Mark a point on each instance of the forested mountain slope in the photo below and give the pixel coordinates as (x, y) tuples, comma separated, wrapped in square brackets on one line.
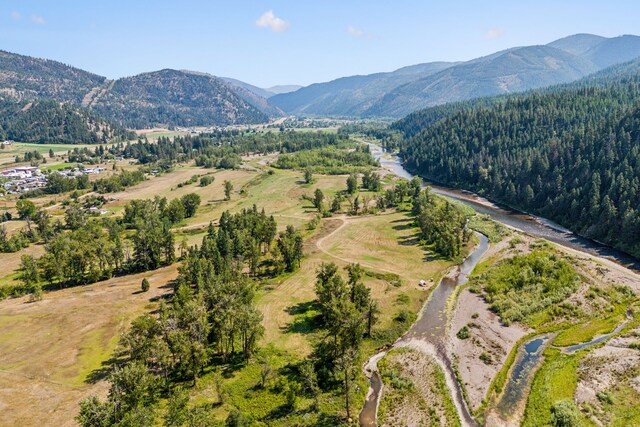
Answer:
[(26, 78), (168, 97), (571, 155), (174, 97), (51, 122)]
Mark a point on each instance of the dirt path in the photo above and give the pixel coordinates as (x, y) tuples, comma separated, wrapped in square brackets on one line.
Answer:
[(345, 222)]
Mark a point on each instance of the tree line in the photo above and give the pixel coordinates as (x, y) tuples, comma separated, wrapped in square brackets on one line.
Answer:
[(570, 155), (83, 250), (210, 321), (49, 122)]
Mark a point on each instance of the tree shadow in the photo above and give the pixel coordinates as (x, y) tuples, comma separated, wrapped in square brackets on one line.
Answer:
[(102, 373), (279, 412), (410, 240), (307, 319), (403, 224), (328, 420)]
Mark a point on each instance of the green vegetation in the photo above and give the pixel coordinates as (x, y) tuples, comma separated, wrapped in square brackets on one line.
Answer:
[(494, 231), (463, 333), (206, 180), (517, 152), (521, 287), (332, 161), (49, 122), (442, 224), (550, 401)]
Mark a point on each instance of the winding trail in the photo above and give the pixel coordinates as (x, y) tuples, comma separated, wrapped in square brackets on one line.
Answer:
[(346, 221)]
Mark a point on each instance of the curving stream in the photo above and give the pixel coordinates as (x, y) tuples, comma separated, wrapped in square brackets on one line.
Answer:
[(430, 328)]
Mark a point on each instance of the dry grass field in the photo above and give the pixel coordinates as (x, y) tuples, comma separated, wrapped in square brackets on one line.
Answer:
[(52, 351)]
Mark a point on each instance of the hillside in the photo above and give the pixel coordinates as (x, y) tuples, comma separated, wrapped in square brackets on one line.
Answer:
[(278, 89), (351, 96), (411, 88), (514, 70), (26, 78), (418, 120), (255, 96), (53, 123), (174, 97), (166, 97), (577, 44), (569, 155)]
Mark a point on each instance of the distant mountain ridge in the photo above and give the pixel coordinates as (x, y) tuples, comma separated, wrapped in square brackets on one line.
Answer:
[(191, 98), (165, 97), (513, 70)]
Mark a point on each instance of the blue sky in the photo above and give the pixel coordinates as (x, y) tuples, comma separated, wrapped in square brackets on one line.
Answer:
[(284, 41)]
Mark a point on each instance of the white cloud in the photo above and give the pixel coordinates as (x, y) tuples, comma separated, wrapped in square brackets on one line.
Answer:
[(272, 22), (494, 33), (38, 20), (16, 16), (355, 32)]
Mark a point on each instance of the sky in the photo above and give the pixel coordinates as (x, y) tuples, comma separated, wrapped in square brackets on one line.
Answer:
[(272, 42)]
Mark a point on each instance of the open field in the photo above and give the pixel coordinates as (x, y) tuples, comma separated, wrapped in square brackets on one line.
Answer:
[(54, 351), (57, 347)]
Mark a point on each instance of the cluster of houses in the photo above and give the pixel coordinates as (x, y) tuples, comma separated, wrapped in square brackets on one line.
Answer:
[(23, 179), (27, 178)]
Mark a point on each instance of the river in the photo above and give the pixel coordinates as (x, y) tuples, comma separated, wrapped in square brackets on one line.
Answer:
[(529, 224), (431, 326)]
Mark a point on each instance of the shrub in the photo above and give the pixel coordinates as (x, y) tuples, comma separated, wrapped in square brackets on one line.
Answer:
[(463, 333), (486, 358), (635, 345), (145, 285), (564, 413), (206, 180), (405, 316)]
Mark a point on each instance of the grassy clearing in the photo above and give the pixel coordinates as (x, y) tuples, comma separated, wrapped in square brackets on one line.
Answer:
[(54, 350), (584, 332), (494, 231), (555, 380)]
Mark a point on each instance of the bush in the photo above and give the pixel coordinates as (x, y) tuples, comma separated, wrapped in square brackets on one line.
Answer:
[(564, 413), (486, 358), (206, 180), (635, 345), (463, 333), (145, 285), (405, 316)]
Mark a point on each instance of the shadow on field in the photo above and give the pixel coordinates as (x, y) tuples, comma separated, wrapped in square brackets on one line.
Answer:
[(102, 373), (307, 318)]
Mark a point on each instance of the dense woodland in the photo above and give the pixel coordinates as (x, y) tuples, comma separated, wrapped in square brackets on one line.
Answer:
[(222, 149), (49, 122), (569, 155), (329, 160)]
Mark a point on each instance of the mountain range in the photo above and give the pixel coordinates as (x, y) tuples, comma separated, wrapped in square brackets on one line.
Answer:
[(190, 98), (165, 97), (518, 69)]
